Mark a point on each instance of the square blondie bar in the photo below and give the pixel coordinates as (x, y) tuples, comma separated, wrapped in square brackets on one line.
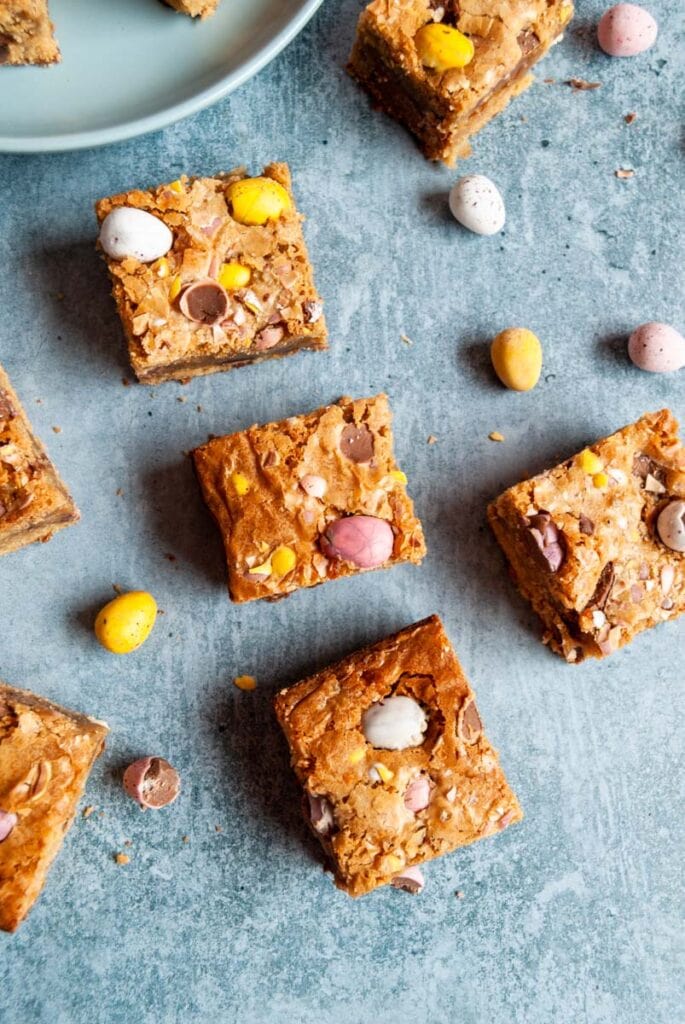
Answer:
[(46, 754), (389, 747), (26, 33), (597, 544), (444, 105), (34, 503), (208, 276), (309, 499)]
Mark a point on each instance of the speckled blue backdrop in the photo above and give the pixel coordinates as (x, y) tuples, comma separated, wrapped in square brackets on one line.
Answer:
[(575, 915)]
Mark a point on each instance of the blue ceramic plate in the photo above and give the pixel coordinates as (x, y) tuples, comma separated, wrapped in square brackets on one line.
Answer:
[(132, 66)]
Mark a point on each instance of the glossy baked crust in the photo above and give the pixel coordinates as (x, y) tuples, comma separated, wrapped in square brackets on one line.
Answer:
[(275, 511), (26, 33), (164, 344), (46, 754), (34, 503), (443, 109), (616, 577), (374, 835)]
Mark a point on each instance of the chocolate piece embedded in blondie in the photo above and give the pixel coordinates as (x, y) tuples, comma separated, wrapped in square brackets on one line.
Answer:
[(46, 754), (443, 104), (34, 503), (597, 544), (390, 750), (309, 499), (26, 33), (210, 273), (195, 8)]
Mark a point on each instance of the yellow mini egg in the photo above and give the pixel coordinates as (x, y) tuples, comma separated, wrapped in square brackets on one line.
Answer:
[(517, 358), (126, 622)]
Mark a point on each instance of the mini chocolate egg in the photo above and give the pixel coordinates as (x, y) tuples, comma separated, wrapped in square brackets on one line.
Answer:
[(657, 348), (626, 30), (477, 204)]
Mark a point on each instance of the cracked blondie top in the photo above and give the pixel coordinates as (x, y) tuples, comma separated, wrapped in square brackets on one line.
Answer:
[(222, 291), (389, 747), (597, 544), (309, 499), (444, 105), (46, 754), (34, 503), (26, 33)]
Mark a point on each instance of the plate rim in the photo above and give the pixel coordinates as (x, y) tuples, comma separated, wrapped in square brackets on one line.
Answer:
[(93, 138)]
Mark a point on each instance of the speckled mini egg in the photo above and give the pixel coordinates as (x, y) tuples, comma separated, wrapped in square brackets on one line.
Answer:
[(626, 30), (477, 204), (657, 348)]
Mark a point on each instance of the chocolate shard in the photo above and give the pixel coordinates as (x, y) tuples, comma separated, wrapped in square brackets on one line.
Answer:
[(644, 466), (357, 443), (604, 586), (546, 541), (470, 727), (528, 41), (585, 525)]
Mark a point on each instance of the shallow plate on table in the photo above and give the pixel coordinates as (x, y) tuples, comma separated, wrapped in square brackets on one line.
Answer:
[(133, 66)]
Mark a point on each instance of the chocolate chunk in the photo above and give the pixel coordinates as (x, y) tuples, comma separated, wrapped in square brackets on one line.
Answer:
[(546, 541), (204, 302), (644, 466), (356, 443), (470, 726), (585, 525), (527, 40), (6, 408), (604, 586)]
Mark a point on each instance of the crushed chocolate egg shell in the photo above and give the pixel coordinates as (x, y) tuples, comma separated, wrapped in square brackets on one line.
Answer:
[(417, 794), (320, 814), (152, 782), (356, 443), (313, 485), (7, 823), (671, 525), (547, 541), (470, 726), (366, 541), (395, 723), (410, 880), (204, 302)]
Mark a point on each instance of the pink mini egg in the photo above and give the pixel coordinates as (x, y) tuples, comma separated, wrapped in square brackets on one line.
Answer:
[(626, 30), (366, 541), (657, 348)]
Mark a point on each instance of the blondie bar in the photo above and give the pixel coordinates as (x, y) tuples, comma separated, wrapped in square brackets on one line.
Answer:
[(444, 69), (597, 544), (46, 754), (34, 503), (26, 33), (389, 747), (310, 499), (210, 273)]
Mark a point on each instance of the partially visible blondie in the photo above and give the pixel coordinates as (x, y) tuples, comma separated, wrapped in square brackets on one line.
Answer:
[(210, 273), (195, 8), (391, 753), (445, 103), (46, 754), (34, 503), (26, 33), (597, 544)]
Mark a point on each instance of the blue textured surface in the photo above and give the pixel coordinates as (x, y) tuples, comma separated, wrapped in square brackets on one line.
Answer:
[(574, 916)]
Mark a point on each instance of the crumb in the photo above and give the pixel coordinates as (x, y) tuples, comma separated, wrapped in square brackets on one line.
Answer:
[(101, 814), (125, 382), (87, 811), (432, 439), (57, 430), (459, 894), (39, 401), (580, 85), (495, 435), (245, 682), (119, 492), (624, 172), (122, 858), (218, 828), (407, 340), (523, 119), (549, 81), (128, 842), (185, 839), (200, 409), (182, 398), (169, 557), (629, 118), (160, 611), (117, 588)]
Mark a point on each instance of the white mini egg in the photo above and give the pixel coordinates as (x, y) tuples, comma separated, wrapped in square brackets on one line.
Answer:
[(395, 723), (477, 204), (127, 232), (657, 348)]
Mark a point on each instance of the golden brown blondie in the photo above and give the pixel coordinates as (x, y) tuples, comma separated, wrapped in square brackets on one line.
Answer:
[(195, 8), (46, 754), (444, 105), (389, 747), (597, 544), (26, 33)]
